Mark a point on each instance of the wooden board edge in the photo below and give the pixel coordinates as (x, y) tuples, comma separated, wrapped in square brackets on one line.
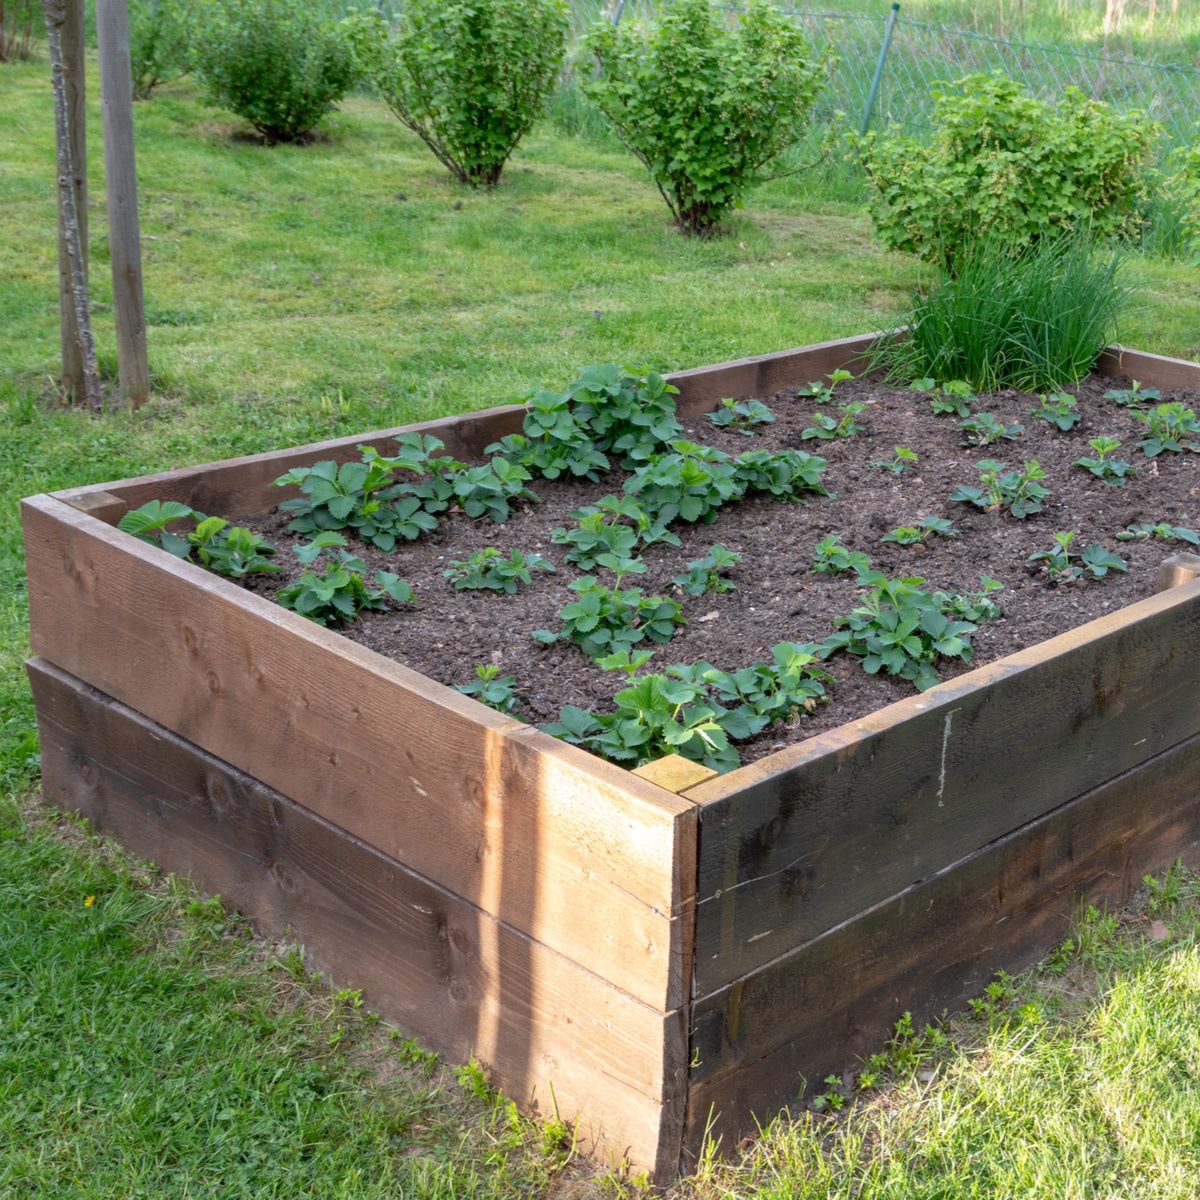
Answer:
[(942, 697), (270, 858), (1153, 370), (1025, 889)]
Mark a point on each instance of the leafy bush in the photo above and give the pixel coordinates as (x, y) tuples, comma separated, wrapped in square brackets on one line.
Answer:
[(160, 33), (1034, 319), (469, 79), (275, 63), (705, 107), (17, 18), (1004, 163)]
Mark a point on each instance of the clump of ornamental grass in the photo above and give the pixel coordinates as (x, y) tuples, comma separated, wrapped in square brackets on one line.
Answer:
[(1033, 318)]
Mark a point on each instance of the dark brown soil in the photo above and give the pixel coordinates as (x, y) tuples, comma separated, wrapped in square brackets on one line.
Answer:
[(778, 598)]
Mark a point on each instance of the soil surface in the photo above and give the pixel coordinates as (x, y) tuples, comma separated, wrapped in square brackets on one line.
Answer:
[(778, 597)]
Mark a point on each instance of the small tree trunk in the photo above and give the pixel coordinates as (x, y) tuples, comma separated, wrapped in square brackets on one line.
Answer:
[(120, 179), (81, 377)]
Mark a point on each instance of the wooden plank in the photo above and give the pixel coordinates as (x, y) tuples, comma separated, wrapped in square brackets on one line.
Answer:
[(674, 772), (702, 388), (447, 972), (1153, 370), (1178, 569), (796, 843), (240, 487), (823, 1008), (578, 854)]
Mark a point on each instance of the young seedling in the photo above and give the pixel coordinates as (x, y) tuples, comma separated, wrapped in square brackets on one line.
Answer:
[(1114, 471), (829, 557), (910, 535), (983, 429), (951, 399), (1095, 561), (593, 536), (341, 593), (828, 427), (230, 550), (488, 568), (704, 574), (631, 662), (621, 565), (741, 414), (820, 392), (1058, 409), (1170, 533), (490, 688), (1167, 428), (903, 459), (1135, 396), (1019, 492), (784, 474)]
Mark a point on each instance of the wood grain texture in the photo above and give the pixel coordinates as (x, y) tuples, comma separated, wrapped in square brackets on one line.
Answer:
[(447, 972), (593, 862), (702, 388), (1152, 370), (821, 1009), (798, 842)]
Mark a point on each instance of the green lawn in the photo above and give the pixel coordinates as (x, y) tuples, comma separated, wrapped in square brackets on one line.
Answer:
[(147, 1046)]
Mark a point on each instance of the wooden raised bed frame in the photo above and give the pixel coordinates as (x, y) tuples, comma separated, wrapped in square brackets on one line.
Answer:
[(666, 963)]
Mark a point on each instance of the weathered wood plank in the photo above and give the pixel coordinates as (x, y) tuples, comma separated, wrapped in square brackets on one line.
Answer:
[(462, 981), (593, 862), (1153, 370), (824, 1007), (239, 487), (702, 388), (796, 843)]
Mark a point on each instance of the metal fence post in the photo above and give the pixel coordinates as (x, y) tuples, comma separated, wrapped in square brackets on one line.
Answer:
[(883, 52)]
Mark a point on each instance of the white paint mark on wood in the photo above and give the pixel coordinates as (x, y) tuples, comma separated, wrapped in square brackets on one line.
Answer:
[(945, 743)]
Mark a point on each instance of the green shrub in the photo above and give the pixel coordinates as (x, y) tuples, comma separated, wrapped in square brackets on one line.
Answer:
[(1005, 164), (273, 62), (17, 21), (469, 79), (159, 42), (705, 107), (1181, 198), (1034, 318)]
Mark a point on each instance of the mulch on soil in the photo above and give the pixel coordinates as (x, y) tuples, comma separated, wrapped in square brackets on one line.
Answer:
[(778, 598)]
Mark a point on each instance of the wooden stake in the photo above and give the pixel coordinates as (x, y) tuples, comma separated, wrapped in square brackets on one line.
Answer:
[(64, 29), (120, 176)]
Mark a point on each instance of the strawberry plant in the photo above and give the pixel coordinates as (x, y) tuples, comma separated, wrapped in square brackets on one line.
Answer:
[(1135, 396), (629, 661), (901, 629), (604, 620), (1170, 533), (692, 483), (983, 429), (1058, 409), (227, 550), (592, 536), (704, 574), (951, 399), (828, 427), (491, 688), (490, 490), (830, 557), (1114, 471), (629, 412), (782, 473), (1167, 428), (1095, 561), (790, 684), (902, 460), (487, 568), (741, 414), (910, 535), (340, 593), (1019, 492), (972, 606), (820, 392)]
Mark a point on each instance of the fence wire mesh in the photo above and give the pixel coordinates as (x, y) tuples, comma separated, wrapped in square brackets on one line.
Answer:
[(924, 56)]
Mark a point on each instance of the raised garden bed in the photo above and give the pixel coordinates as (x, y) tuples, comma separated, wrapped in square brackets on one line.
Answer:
[(667, 963)]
